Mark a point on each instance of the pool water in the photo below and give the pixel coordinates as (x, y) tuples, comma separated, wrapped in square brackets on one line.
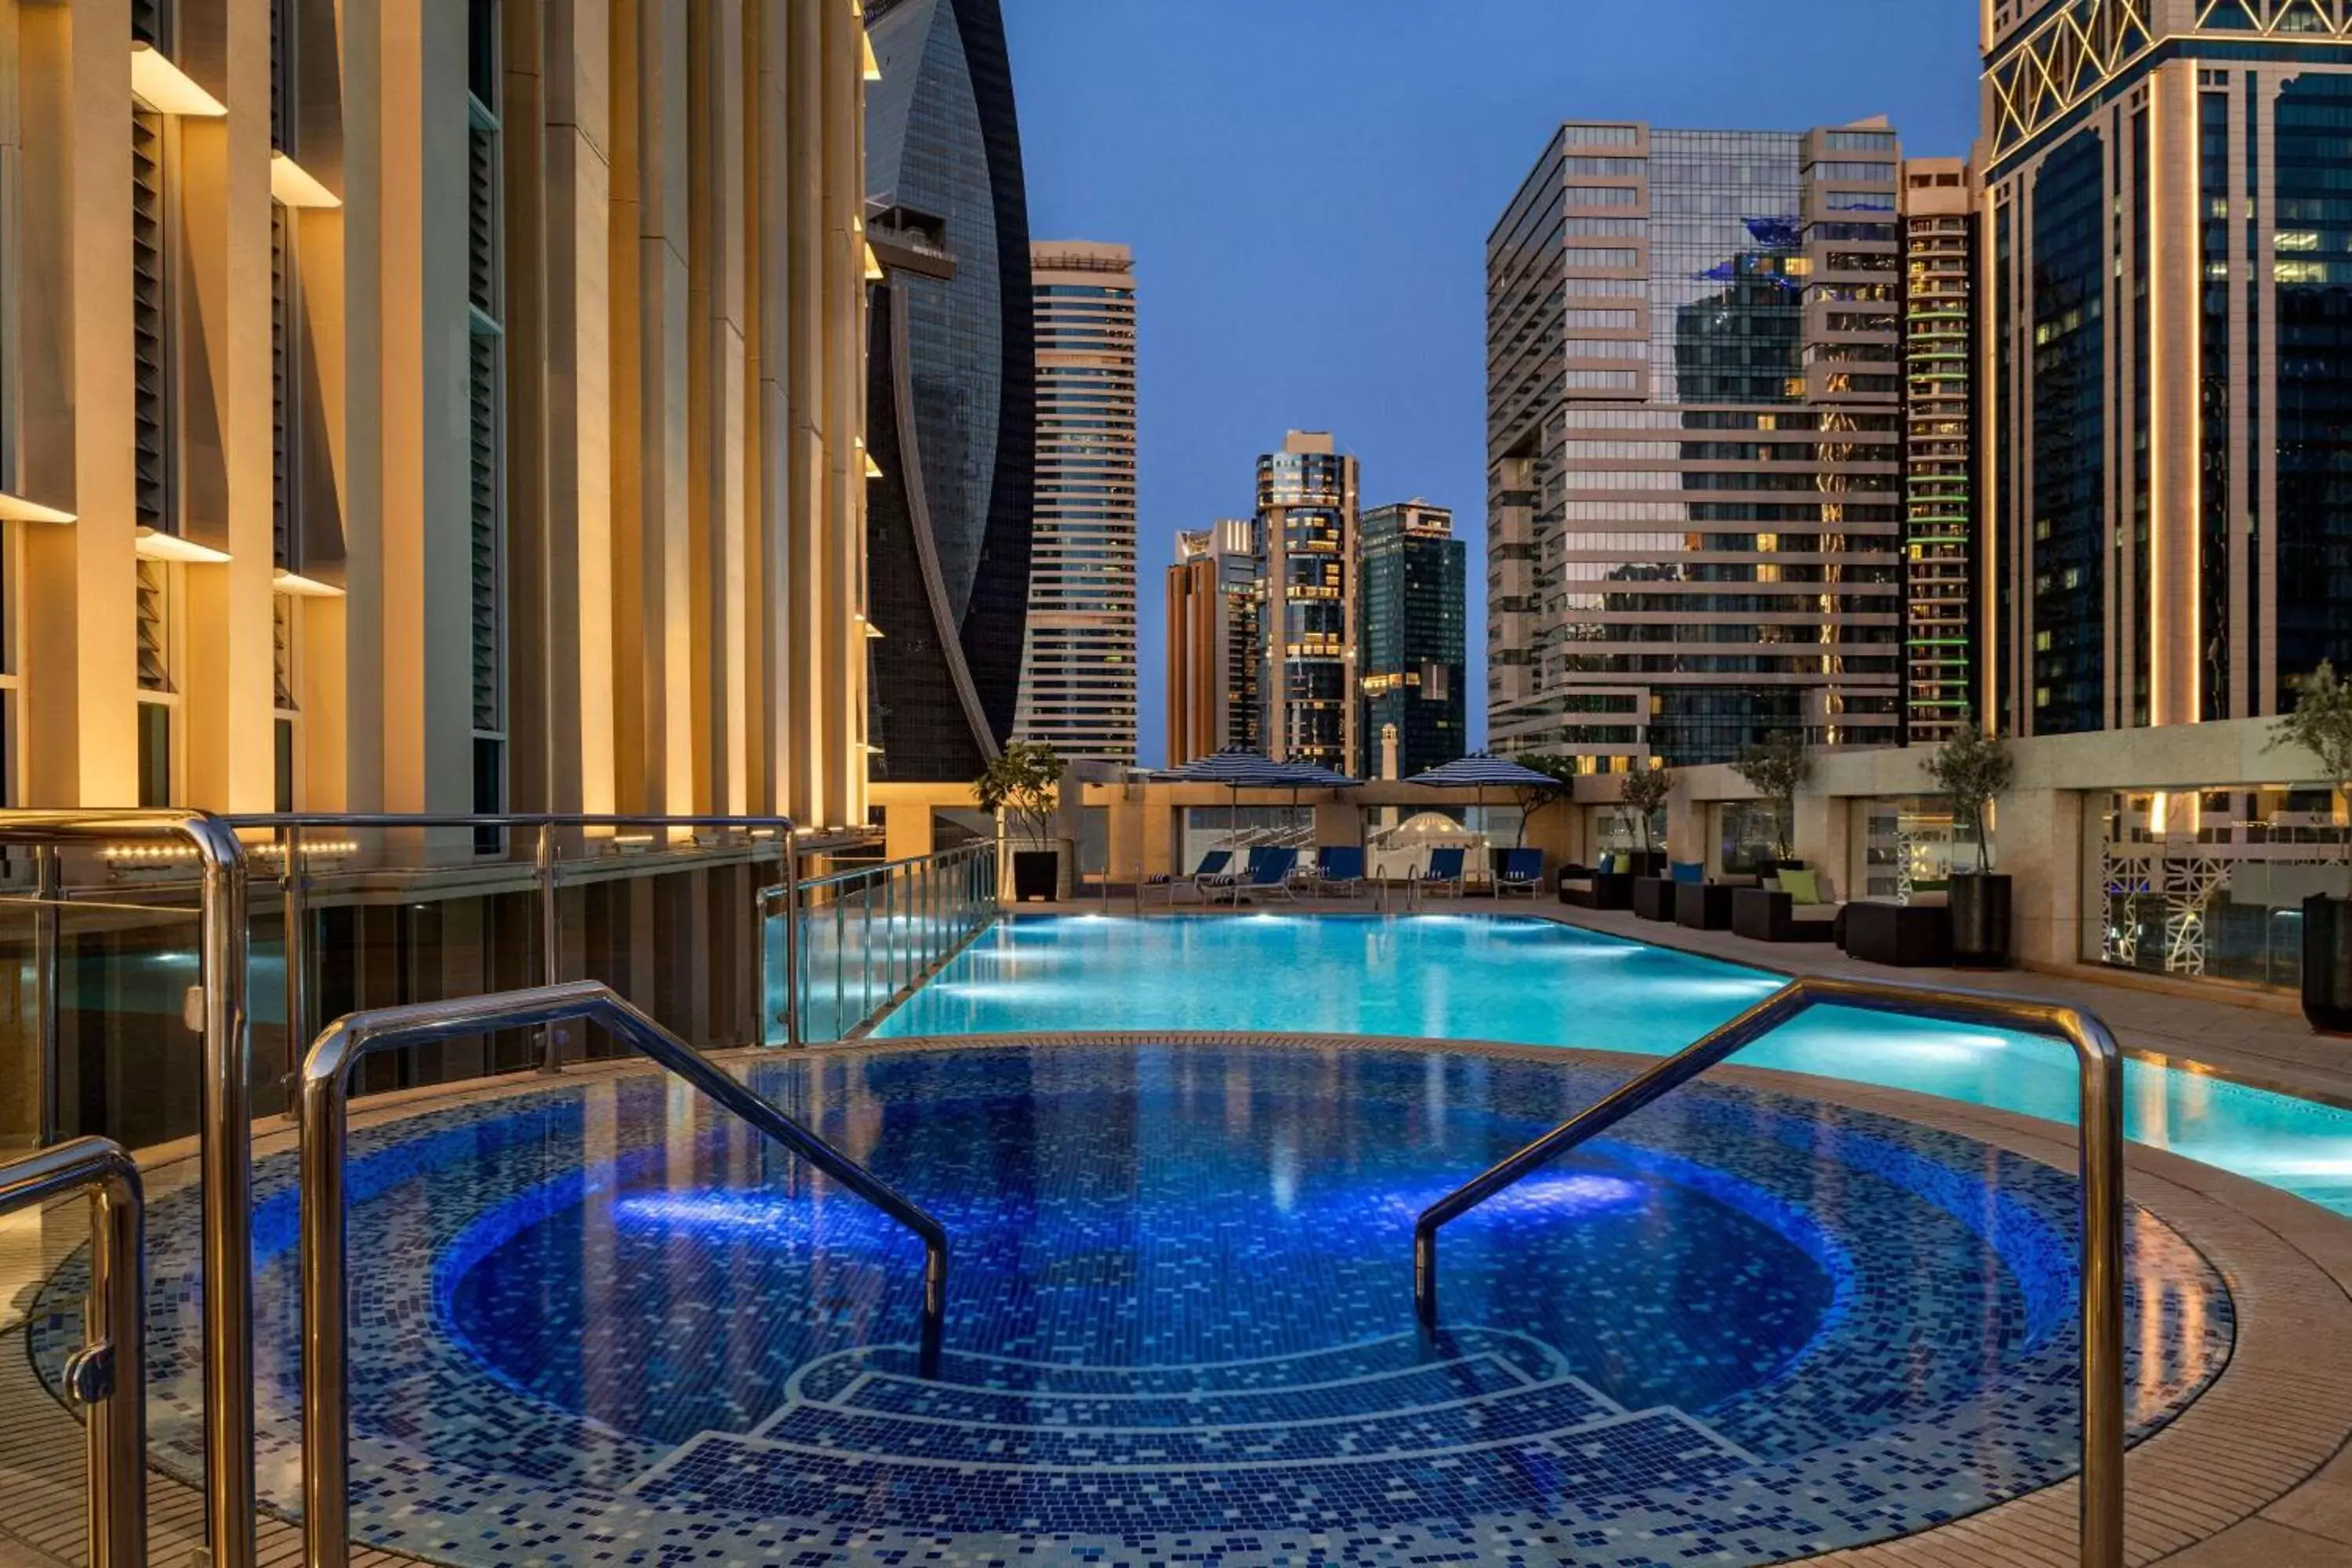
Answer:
[(602, 1322), (1530, 981)]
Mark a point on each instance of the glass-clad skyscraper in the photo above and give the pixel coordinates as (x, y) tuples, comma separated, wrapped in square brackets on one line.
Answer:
[(951, 388), (2169, 433), (1305, 539), (1411, 592), (1694, 452), (1077, 672)]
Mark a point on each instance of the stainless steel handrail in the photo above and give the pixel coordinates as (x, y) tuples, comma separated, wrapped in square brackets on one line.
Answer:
[(326, 1099), (227, 1145), (2099, 1072), (108, 1376), (295, 883)]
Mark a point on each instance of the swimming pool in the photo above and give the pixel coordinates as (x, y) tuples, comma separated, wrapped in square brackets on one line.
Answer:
[(1530, 981), (599, 1322)]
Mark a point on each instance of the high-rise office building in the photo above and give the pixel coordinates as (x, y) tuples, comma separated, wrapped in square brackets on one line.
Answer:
[(1215, 621), (465, 465), (1940, 543), (1693, 425), (1411, 611), (1077, 671), (2170, 357), (951, 388), (1307, 519)]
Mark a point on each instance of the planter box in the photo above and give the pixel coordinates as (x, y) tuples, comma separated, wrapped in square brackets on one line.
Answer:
[(2327, 963), (1980, 902)]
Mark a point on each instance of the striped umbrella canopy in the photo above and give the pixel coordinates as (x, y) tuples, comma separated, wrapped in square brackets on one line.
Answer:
[(1238, 768), (1482, 770)]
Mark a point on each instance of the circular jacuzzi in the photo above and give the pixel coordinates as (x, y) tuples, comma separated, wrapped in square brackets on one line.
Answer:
[(601, 1322)]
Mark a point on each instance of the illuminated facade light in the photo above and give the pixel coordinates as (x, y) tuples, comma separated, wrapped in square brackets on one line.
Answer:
[(165, 88), (292, 185), (156, 545)]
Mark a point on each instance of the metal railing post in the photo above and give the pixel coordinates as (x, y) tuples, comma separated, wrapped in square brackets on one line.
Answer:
[(791, 939), (108, 1376), (49, 959), (551, 943), (294, 889), (324, 1242), (228, 1164), (2099, 1064), (840, 942)]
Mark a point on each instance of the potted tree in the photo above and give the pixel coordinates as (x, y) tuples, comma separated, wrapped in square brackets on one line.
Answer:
[(2322, 725), (1973, 768), (1645, 790), (1776, 770), (1023, 787)]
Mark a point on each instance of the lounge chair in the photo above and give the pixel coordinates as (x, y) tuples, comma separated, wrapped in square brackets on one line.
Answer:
[(1443, 870), (1212, 866), (1522, 872), (1269, 872), (1339, 870)]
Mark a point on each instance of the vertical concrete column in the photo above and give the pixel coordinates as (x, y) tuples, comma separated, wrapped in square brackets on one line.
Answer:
[(803, 479), (766, 496), (223, 321), (73, 233), (575, 548), (623, 299), (657, 578), (715, 400), (2038, 840), (840, 638), (411, 566), (1687, 827), (1820, 832)]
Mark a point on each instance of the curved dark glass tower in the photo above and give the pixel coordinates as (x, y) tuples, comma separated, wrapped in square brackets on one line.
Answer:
[(951, 416)]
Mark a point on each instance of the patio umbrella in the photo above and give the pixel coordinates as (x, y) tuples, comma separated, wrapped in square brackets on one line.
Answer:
[(1237, 769), (1482, 771)]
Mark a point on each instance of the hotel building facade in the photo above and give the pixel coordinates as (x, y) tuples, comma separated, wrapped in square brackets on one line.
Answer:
[(1078, 664), (2170, 370), (439, 408), (1694, 406)]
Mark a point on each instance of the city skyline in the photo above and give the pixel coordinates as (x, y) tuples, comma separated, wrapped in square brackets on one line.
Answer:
[(1396, 327)]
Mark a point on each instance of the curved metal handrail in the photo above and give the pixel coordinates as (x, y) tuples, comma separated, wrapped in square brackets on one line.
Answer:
[(108, 1376), (226, 1155), (2099, 1064), (326, 1099)]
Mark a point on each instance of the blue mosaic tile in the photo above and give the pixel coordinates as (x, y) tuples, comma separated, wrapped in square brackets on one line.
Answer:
[(598, 1324)]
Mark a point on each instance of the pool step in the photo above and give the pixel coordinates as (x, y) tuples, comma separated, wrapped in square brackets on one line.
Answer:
[(1391, 1430), (1578, 1466), (1538, 1362), (1554, 1408), (888, 1394)]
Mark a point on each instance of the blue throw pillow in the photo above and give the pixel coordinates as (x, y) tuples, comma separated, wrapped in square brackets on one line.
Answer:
[(1690, 871), (1607, 865)]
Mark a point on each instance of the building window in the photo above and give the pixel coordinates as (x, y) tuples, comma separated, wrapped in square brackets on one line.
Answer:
[(157, 625), (486, 427), (285, 628)]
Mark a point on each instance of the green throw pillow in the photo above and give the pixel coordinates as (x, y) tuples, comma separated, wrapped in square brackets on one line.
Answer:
[(1802, 887)]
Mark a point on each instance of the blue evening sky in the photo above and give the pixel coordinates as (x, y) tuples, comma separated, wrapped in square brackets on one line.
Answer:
[(1309, 185)]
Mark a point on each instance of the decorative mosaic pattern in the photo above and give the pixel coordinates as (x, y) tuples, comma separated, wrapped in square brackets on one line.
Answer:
[(599, 1325)]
